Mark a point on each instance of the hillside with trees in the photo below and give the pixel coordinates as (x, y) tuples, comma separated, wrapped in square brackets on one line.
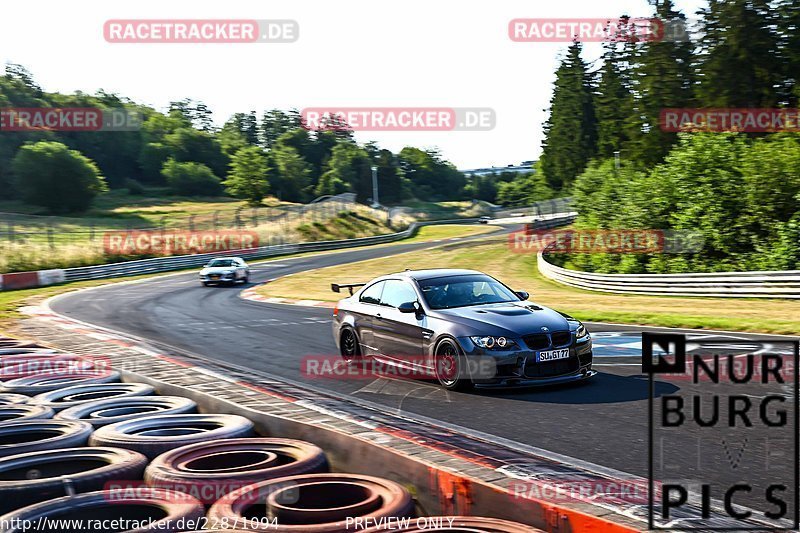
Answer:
[(739, 191), (248, 157)]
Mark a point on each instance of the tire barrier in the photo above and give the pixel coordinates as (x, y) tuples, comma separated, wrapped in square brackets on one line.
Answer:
[(165, 511), (30, 478), (76, 395), (47, 382), (6, 342), (10, 414), (101, 413), (38, 435), (154, 435), (209, 470), (19, 350), (11, 399), (256, 483), (458, 524), (314, 503), (32, 364)]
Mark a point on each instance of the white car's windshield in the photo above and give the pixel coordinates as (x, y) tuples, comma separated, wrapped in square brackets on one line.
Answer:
[(221, 263)]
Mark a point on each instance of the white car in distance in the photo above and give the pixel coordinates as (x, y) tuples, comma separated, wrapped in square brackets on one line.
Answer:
[(225, 270)]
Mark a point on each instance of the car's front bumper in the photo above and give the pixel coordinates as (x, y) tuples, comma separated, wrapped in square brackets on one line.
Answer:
[(213, 278), (519, 366)]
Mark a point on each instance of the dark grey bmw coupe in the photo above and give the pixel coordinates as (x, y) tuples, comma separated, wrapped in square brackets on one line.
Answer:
[(461, 327)]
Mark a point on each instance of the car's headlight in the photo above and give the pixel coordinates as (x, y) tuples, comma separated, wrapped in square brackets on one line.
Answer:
[(581, 331), (494, 343)]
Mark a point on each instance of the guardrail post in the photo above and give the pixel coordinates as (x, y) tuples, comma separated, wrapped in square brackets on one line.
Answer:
[(10, 227), (191, 223), (255, 217), (216, 220), (50, 240)]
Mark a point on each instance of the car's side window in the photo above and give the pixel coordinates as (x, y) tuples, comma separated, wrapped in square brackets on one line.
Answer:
[(397, 292), (372, 294)]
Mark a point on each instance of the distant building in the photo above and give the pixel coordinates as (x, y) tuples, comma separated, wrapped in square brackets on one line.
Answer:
[(525, 166)]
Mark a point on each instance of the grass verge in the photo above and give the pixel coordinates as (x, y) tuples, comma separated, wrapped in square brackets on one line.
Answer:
[(12, 301), (519, 271)]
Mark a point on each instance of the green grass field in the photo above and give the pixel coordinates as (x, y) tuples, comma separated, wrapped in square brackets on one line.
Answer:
[(519, 271)]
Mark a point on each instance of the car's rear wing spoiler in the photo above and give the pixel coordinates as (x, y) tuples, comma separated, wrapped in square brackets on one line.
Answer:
[(337, 287)]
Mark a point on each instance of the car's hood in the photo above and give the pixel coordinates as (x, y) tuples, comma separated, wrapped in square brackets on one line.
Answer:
[(514, 319), (216, 270)]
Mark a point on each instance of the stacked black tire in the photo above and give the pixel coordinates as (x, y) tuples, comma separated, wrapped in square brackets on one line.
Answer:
[(80, 445)]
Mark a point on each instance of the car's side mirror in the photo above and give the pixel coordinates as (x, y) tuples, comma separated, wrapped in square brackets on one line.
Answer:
[(522, 295), (409, 307)]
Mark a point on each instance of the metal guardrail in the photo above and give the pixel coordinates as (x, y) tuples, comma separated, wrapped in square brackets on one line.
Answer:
[(764, 284), (165, 264)]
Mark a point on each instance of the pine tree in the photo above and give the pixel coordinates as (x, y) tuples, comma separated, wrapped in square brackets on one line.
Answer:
[(663, 79), (571, 130), (788, 24), (613, 103), (738, 64)]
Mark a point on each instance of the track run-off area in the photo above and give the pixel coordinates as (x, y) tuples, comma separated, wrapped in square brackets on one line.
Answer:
[(603, 421)]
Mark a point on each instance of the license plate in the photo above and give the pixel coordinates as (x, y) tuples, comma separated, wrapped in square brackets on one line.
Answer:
[(214, 277), (552, 355)]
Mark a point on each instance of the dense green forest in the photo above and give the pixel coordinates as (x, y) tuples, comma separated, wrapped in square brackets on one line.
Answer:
[(740, 191), (248, 157)]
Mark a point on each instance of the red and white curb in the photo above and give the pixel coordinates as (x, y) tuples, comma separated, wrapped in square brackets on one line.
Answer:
[(251, 294)]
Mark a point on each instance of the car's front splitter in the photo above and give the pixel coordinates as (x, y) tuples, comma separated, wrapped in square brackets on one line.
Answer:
[(581, 375)]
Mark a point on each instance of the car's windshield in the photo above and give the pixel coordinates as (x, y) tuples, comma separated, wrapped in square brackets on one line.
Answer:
[(221, 263), (464, 290)]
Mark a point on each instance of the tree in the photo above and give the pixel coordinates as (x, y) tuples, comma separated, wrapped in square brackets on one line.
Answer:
[(663, 78), (430, 176), (51, 175), (739, 64), (571, 129), (248, 176), (788, 27), (188, 144), (190, 178), (331, 184), (349, 165), (247, 125), (276, 122), (293, 173), (524, 190), (613, 104)]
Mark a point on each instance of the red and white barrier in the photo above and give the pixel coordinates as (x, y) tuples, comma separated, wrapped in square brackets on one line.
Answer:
[(28, 280)]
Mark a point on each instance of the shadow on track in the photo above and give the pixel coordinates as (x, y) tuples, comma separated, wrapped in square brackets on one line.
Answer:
[(602, 388)]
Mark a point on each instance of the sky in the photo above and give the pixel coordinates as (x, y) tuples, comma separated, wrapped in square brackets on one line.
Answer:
[(350, 53)]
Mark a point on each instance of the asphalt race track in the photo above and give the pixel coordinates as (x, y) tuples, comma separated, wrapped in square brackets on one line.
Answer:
[(603, 421)]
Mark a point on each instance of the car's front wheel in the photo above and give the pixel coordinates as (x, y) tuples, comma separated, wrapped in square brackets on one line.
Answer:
[(349, 346), (451, 368)]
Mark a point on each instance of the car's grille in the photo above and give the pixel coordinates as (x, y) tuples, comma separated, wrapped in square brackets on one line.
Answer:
[(561, 338), (551, 368), (537, 342), (541, 341)]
